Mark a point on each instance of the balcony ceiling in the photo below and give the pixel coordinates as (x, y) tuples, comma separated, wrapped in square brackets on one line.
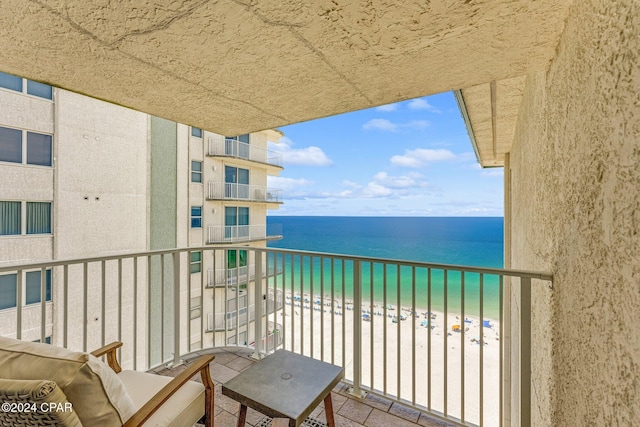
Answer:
[(238, 66)]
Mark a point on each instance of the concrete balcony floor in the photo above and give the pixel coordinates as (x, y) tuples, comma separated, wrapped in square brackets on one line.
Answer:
[(372, 411)]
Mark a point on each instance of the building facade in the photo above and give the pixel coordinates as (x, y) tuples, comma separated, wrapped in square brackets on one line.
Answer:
[(82, 177)]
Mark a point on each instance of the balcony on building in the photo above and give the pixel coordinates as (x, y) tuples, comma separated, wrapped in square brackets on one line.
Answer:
[(320, 305), (238, 276), (244, 152), (238, 234), (240, 313), (243, 192)]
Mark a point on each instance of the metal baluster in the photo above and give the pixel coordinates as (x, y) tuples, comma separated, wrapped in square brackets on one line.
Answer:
[(413, 334), (312, 299), (43, 304), (429, 339), (65, 313), (525, 351), (357, 329), (399, 332), (103, 309), (462, 328), (481, 290), (384, 328), (446, 342), (176, 306), (85, 285)]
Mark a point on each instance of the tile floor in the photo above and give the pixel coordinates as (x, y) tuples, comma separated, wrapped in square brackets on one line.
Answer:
[(372, 411)]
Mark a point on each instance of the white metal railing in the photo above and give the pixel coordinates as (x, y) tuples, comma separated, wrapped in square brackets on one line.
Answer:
[(221, 146), (236, 233), (251, 193), (237, 275), (429, 335), (240, 316)]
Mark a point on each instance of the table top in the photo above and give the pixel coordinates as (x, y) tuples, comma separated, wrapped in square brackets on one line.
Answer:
[(284, 384)]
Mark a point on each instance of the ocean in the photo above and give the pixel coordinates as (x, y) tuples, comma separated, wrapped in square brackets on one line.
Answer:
[(470, 241)]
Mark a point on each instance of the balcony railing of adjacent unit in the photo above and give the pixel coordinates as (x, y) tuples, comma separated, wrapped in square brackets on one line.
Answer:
[(220, 146), (222, 277), (251, 193), (237, 233), (439, 337), (240, 316)]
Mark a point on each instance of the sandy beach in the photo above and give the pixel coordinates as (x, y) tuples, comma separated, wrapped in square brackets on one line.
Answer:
[(419, 348)]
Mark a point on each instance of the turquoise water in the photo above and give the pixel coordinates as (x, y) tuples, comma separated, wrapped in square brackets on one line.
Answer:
[(461, 241)]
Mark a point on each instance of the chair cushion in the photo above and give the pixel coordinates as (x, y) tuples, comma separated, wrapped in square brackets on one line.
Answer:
[(95, 391), (184, 408), (47, 404)]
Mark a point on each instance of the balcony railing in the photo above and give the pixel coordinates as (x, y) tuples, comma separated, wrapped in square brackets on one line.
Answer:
[(220, 146), (234, 276), (250, 193), (236, 233), (434, 336), (241, 316)]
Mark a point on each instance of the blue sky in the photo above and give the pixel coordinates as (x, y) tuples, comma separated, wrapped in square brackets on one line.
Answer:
[(412, 158)]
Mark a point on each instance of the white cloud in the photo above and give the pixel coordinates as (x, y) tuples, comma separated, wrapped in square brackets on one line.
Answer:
[(422, 104), (421, 156), (351, 184), (381, 124), (387, 125), (416, 124), (287, 184), (308, 156), (374, 189), (387, 108), (402, 181)]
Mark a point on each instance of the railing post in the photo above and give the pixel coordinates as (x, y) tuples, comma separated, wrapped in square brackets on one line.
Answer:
[(258, 305), (357, 330), (176, 308), (525, 352)]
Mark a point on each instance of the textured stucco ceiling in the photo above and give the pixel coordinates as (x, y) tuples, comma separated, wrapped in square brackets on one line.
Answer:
[(238, 66), (492, 109)]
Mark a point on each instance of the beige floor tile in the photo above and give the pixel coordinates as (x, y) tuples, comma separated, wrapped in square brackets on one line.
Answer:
[(378, 418), (239, 364), (405, 412), (355, 411)]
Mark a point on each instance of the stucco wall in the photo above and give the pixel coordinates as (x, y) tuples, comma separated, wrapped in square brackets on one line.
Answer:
[(576, 212)]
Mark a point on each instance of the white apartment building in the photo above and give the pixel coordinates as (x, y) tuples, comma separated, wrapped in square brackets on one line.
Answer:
[(80, 177)]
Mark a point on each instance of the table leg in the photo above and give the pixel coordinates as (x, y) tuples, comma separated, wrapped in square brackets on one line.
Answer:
[(328, 411), (242, 416)]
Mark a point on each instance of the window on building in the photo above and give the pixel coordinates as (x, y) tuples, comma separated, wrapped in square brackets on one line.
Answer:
[(234, 148), (10, 145), (242, 138), (47, 340), (8, 290), (197, 132), (236, 182), (236, 259), (9, 81), (38, 217), (196, 171), (38, 149), (196, 216), (33, 279), (39, 89), (236, 221), (195, 262), (10, 218)]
